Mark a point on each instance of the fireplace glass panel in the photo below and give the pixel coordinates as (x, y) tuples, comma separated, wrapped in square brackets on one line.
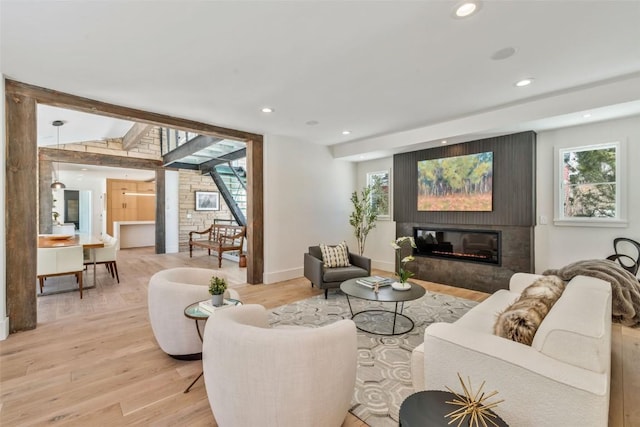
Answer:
[(464, 245)]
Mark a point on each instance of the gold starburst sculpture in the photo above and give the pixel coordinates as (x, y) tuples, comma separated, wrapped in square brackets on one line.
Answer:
[(475, 405)]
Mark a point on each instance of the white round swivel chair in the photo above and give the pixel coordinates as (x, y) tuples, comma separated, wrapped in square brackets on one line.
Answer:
[(170, 292), (278, 377)]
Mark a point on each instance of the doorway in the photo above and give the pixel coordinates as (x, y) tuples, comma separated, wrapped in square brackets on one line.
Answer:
[(72, 208), (21, 103)]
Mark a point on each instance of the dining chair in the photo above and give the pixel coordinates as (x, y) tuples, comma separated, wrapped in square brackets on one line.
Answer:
[(105, 255), (60, 262)]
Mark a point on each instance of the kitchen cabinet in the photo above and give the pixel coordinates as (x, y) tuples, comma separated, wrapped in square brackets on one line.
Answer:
[(130, 201)]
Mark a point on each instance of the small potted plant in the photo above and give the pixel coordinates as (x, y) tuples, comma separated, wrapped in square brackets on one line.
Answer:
[(217, 286)]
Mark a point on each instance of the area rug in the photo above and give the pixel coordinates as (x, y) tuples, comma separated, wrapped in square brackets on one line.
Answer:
[(383, 378)]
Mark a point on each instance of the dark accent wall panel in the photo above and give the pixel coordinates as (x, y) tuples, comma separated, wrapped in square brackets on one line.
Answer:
[(513, 182)]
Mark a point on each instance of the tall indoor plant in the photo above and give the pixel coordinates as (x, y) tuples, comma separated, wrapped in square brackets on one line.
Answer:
[(364, 215)]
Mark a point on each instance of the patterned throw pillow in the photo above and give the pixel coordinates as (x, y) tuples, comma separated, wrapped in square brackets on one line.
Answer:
[(335, 256)]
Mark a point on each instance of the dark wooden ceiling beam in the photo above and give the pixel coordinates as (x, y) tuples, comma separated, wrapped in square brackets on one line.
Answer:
[(65, 100), (82, 157), (134, 135)]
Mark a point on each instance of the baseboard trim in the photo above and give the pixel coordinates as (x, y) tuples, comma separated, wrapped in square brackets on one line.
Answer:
[(383, 265), (294, 273), (282, 275), (4, 329)]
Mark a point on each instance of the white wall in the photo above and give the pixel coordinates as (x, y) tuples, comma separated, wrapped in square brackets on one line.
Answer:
[(306, 202), (171, 211), (4, 320), (97, 186), (557, 246), (378, 244)]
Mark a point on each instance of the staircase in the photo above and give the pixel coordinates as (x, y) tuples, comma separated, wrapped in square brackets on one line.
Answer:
[(232, 183), (223, 160)]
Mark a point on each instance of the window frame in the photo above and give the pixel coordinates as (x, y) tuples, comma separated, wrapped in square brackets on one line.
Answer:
[(620, 219), (370, 175)]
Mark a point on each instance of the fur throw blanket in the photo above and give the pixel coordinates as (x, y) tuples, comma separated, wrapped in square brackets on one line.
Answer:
[(625, 288)]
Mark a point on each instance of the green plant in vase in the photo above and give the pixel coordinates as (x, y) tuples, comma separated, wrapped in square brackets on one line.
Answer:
[(217, 286), (403, 273)]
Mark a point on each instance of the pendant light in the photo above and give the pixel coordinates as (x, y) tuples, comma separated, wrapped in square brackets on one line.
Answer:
[(57, 185)]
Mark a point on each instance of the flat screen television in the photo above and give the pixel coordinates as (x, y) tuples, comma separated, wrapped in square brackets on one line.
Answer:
[(460, 183)]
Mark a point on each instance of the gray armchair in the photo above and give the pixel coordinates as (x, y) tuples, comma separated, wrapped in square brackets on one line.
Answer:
[(330, 278)]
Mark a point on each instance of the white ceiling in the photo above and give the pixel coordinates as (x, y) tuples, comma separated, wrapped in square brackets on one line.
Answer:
[(397, 74), (77, 127)]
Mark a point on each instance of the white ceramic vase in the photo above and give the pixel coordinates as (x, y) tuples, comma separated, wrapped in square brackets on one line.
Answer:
[(217, 300)]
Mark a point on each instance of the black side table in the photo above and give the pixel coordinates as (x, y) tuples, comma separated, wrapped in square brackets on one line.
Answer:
[(428, 409)]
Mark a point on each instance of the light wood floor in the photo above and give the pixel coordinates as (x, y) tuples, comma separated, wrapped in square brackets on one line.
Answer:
[(95, 362)]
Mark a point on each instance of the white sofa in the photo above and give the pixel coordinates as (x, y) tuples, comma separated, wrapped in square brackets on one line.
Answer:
[(562, 379)]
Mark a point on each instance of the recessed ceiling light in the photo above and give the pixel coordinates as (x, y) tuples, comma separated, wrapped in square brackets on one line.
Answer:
[(267, 110), (524, 82), (466, 9), (346, 132), (444, 141)]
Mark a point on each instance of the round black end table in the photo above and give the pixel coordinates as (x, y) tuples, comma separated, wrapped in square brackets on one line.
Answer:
[(428, 409)]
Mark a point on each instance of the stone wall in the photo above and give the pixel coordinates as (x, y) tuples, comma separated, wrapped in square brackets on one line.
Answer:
[(190, 219), (147, 148)]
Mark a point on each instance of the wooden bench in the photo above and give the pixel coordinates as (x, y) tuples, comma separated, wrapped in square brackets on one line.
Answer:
[(219, 238)]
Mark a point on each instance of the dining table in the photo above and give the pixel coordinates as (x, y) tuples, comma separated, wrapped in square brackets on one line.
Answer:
[(87, 241)]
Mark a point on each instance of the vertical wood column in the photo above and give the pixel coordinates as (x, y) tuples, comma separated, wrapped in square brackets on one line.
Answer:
[(45, 196), (255, 211), (160, 209), (21, 208)]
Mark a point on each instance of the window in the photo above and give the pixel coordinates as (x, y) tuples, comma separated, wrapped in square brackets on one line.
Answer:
[(590, 185), (380, 193)]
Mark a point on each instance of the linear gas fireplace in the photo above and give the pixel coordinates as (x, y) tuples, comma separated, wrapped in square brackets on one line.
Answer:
[(482, 246)]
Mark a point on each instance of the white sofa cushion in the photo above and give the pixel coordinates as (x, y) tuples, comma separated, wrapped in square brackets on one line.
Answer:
[(574, 331), (482, 317)]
